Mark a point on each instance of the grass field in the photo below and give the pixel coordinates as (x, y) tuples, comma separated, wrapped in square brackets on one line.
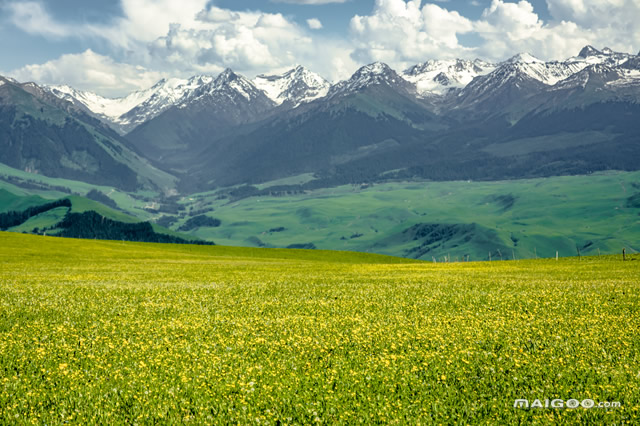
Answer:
[(113, 333)]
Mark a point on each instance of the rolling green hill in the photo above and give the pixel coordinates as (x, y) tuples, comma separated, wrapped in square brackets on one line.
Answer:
[(592, 214), (79, 217), (523, 218)]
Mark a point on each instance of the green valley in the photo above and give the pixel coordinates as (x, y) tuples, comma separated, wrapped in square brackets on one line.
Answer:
[(571, 215)]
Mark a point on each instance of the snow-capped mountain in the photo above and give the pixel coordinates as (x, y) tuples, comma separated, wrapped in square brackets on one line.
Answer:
[(201, 116), (524, 75), (227, 87), (522, 117), (548, 73), (294, 87), (592, 56), (600, 76), (456, 83), (166, 93), (125, 113), (4, 80), (374, 74), (438, 77)]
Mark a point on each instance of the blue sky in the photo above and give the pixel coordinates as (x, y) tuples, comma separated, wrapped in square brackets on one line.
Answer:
[(113, 47)]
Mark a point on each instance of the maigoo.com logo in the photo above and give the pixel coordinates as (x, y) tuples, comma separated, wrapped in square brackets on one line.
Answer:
[(561, 403)]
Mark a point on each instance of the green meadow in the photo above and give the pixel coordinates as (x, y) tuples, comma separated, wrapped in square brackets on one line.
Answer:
[(522, 219), (103, 332)]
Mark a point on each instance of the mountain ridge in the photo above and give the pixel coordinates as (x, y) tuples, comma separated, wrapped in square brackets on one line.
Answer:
[(483, 121), (434, 79)]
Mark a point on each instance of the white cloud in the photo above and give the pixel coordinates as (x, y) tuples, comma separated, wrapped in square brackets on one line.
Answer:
[(190, 39), (509, 28), (400, 32), (244, 41), (89, 71), (143, 21), (250, 42), (314, 24), (309, 1), (33, 18), (404, 31), (612, 23)]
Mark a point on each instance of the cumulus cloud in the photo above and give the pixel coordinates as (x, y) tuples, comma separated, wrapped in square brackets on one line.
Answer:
[(615, 23), (405, 32), (309, 1), (191, 38), (507, 28), (314, 24), (33, 18), (90, 71), (244, 41), (143, 21), (401, 32)]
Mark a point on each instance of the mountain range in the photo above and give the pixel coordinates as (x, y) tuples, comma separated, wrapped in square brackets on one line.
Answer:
[(440, 120)]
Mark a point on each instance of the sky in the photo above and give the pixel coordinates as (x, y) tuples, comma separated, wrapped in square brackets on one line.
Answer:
[(118, 46)]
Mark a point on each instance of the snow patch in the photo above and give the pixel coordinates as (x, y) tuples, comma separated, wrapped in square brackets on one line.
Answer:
[(524, 58), (296, 86), (438, 77), (108, 107)]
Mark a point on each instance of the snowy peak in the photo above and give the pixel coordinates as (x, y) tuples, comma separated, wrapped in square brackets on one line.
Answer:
[(376, 68), (598, 76), (295, 87), (108, 108), (227, 87), (376, 74), (436, 80), (590, 56), (5, 80), (226, 77), (524, 58), (125, 113), (438, 77), (527, 67), (166, 93), (588, 51)]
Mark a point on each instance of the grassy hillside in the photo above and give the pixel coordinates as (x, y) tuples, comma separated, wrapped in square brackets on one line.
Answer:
[(22, 183), (111, 332), (52, 219), (524, 218), (599, 213)]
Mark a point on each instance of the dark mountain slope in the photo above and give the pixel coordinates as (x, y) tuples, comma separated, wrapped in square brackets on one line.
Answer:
[(45, 135)]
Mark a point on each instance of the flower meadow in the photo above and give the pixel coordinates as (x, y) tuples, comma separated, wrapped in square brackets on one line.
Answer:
[(95, 332)]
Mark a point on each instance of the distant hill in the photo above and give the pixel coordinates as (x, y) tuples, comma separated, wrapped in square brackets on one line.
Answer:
[(58, 218)]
